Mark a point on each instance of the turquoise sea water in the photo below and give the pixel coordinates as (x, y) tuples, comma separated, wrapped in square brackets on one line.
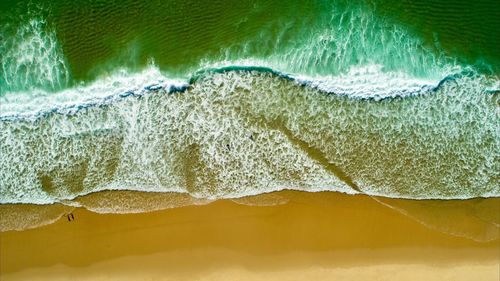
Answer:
[(231, 98)]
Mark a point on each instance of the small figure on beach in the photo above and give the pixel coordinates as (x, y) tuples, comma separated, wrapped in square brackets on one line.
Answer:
[(70, 217)]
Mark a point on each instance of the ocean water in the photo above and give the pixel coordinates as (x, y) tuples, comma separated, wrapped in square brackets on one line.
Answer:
[(226, 99)]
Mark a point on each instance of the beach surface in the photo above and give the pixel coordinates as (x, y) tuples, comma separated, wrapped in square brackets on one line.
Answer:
[(280, 236)]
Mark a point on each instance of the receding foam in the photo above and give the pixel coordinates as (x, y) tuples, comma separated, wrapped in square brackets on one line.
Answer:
[(237, 133)]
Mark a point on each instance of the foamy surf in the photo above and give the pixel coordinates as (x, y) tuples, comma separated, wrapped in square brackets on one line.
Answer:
[(368, 82), (36, 103), (235, 132), (32, 58)]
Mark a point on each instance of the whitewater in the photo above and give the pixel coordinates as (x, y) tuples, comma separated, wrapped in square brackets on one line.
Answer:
[(356, 107)]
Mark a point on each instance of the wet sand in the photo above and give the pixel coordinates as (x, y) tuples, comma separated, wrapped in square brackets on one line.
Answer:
[(307, 236)]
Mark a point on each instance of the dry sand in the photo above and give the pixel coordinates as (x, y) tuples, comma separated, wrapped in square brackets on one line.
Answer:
[(314, 236)]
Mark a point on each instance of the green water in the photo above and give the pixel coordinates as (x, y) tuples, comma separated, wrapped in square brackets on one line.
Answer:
[(95, 38)]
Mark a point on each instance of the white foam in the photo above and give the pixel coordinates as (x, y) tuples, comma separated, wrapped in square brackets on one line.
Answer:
[(237, 134), (30, 103), (32, 58), (370, 82)]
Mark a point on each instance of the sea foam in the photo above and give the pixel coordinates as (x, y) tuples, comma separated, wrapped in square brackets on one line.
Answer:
[(234, 133), (32, 57)]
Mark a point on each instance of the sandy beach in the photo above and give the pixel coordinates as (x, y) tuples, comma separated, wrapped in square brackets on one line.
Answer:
[(320, 236)]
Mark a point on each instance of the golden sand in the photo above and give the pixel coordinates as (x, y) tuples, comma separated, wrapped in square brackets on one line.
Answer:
[(307, 236)]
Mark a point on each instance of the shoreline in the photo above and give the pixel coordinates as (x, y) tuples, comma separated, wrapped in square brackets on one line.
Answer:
[(310, 235)]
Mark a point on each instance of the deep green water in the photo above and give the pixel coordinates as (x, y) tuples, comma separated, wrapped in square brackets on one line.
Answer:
[(94, 38), (233, 98)]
